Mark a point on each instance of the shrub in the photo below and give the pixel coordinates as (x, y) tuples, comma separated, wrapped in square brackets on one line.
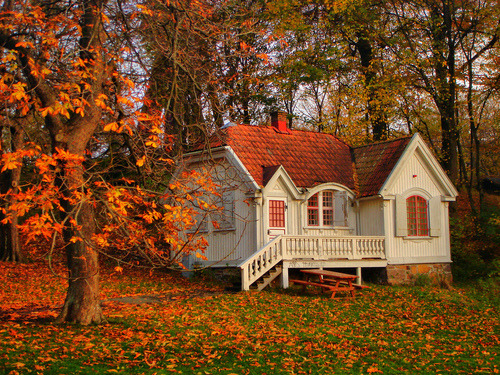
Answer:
[(475, 244)]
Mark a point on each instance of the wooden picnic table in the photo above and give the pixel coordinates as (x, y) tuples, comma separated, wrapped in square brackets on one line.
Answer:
[(329, 280)]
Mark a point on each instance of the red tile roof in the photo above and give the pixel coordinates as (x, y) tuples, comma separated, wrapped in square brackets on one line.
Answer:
[(375, 162), (311, 158)]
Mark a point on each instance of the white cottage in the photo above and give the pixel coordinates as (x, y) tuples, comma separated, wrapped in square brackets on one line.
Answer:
[(301, 199)]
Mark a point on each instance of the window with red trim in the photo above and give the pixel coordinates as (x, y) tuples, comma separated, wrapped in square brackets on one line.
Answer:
[(328, 218), (416, 208), (277, 214), (313, 210), (320, 209)]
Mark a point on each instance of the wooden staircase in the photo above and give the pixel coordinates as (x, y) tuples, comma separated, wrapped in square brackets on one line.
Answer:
[(261, 263), (266, 279)]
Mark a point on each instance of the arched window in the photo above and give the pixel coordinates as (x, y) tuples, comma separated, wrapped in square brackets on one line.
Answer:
[(416, 213), (320, 209)]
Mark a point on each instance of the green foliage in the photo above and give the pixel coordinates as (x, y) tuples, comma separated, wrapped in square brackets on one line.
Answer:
[(475, 245), (422, 280)]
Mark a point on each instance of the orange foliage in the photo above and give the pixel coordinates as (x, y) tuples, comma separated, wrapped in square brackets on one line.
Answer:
[(92, 103), (133, 221)]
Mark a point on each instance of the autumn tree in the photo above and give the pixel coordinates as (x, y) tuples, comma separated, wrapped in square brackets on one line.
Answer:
[(427, 42), (10, 248), (72, 67), (479, 49)]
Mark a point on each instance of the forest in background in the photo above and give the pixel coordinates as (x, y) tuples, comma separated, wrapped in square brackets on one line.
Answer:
[(100, 98)]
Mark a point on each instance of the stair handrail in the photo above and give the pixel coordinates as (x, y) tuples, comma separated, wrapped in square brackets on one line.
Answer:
[(254, 267)]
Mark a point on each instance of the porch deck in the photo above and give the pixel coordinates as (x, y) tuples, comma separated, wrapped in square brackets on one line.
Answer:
[(308, 251)]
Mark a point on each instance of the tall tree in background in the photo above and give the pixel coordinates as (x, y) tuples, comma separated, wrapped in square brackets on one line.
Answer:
[(329, 43), (426, 41), (180, 38), (242, 58), (478, 47)]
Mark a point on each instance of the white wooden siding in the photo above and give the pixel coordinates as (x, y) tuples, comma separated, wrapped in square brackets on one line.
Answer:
[(228, 246), (416, 177), (405, 250), (415, 173), (237, 244), (371, 219)]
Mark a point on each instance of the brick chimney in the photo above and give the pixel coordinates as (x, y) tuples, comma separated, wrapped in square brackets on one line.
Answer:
[(279, 122)]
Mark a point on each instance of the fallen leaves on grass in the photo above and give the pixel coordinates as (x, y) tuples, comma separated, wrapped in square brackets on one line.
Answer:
[(193, 328)]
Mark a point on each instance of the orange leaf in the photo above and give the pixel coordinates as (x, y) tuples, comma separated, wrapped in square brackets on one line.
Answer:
[(141, 161)]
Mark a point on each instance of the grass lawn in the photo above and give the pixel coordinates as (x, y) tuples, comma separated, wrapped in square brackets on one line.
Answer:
[(197, 328)]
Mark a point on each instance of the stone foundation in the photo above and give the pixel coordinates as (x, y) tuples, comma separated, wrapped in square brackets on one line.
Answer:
[(434, 273)]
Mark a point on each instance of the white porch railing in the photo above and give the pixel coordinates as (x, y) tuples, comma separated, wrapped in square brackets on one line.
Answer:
[(261, 262), (309, 247)]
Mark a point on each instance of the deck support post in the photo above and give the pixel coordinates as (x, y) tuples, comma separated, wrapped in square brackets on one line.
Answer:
[(245, 285), (284, 277), (358, 274)]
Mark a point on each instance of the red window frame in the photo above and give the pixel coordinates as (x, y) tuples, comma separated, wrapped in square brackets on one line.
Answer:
[(320, 209), (328, 201), (276, 214), (416, 211), (313, 210)]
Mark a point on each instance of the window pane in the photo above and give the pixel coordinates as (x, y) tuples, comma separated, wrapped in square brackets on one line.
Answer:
[(277, 214), (312, 216), (313, 201), (327, 199), (328, 217), (416, 208)]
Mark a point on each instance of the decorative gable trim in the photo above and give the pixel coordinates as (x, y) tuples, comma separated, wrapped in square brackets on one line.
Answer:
[(232, 157), (214, 154), (417, 144), (329, 186), (281, 174)]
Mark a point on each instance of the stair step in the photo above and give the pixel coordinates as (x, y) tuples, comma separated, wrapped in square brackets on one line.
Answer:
[(267, 278)]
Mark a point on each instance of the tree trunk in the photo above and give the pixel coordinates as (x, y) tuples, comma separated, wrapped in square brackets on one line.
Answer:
[(10, 248), (376, 110), (82, 304), (443, 50)]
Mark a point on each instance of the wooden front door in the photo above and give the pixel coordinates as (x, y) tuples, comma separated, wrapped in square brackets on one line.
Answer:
[(277, 218)]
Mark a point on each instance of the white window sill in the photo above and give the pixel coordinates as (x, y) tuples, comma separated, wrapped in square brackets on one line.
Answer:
[(224, 229), (418, 238), (197, 232), (328, 228)]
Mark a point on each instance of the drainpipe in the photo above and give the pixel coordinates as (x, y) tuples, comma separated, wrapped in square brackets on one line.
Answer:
[(358, 218)]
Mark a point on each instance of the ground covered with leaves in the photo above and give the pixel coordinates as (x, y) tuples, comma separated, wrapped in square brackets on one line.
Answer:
[(173, 325)]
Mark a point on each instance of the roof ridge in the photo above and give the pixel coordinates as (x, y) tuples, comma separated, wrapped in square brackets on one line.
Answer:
[(382, 142), (299, 130)]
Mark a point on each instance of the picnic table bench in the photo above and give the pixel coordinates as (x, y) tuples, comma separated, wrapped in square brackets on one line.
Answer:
[(329, 281)]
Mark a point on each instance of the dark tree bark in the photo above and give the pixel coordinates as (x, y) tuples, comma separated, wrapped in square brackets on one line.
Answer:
[(82, 303), (10, 248), (376, 112), (444, 51)]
